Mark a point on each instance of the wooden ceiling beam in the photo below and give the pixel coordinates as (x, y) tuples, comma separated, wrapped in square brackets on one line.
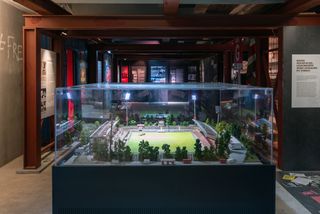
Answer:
[(294, 7), (244, 9), (201, 8), (43, 7), (238, 9), (171, 7)]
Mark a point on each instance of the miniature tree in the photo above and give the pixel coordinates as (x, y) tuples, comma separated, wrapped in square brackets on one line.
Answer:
[(118, 151), (97, 124), (153, 153), (143, 150), (184, 153), (174, 123), (208, 121), (198, 150), (206, 154), (68, 137), (171, 118), (236, 130), (249, 144), (213, 153), (223, 139), (168, 120), (84, 137), (127, 154), (166, 149), (148, 152), (79, 126), (132, 123), (100, 150), (185, 123), (209, 154), (178, 154)]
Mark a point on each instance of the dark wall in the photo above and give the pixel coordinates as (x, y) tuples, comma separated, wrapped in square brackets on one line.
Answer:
[(301, 126)]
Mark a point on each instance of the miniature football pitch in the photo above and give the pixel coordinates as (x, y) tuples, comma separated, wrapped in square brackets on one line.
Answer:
[(174, 139)]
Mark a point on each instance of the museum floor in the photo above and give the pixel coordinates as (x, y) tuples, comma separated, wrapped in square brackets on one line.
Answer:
[(31, 193)]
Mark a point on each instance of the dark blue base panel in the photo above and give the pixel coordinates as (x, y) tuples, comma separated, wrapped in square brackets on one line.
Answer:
[(221, 189)]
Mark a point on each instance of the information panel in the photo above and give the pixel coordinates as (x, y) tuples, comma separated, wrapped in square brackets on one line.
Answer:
[(305, 81), (48, 82)]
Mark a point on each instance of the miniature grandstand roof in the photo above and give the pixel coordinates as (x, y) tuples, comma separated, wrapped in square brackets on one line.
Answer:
[(157, 86)]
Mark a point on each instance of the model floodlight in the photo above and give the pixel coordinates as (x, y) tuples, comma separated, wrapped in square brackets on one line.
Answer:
[(109, 52), (127, 96), (69, 96), (256, 96), (194, 98)]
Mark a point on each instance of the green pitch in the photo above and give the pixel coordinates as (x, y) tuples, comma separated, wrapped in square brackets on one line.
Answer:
[(174, 139)]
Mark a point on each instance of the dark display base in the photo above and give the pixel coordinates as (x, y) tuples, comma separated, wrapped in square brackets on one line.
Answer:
[(223, 189)]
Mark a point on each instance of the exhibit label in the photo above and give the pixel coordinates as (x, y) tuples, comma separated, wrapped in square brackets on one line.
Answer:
[(305, 81), (48, 82)]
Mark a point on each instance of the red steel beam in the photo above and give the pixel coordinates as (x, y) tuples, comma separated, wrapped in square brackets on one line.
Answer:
[(216, 22), (172, 34)]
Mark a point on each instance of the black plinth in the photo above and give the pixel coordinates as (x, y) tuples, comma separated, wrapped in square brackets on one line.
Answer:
[(222, 189)]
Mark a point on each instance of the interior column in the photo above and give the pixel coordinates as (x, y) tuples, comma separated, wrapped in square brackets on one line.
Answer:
[(32, 116)]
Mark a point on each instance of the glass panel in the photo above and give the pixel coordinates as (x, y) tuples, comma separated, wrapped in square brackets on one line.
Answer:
[(160, 124)]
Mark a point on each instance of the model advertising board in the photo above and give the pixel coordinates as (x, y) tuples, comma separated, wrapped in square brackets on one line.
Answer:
[(48, 82), (192, 73), (176, 75), (124, 74), (138, 74), (158, 73), (305, 81), (83, 67)]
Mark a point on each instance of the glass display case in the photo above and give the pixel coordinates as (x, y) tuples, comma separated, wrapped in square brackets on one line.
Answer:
[(163, 149), (163, 124)]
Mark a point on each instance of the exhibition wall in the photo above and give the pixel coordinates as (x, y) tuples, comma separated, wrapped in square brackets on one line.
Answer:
[(301, 112), (11, 83)]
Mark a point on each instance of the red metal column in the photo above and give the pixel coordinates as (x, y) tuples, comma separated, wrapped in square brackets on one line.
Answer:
[(32, 116), (279, 94), (70, 82)]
